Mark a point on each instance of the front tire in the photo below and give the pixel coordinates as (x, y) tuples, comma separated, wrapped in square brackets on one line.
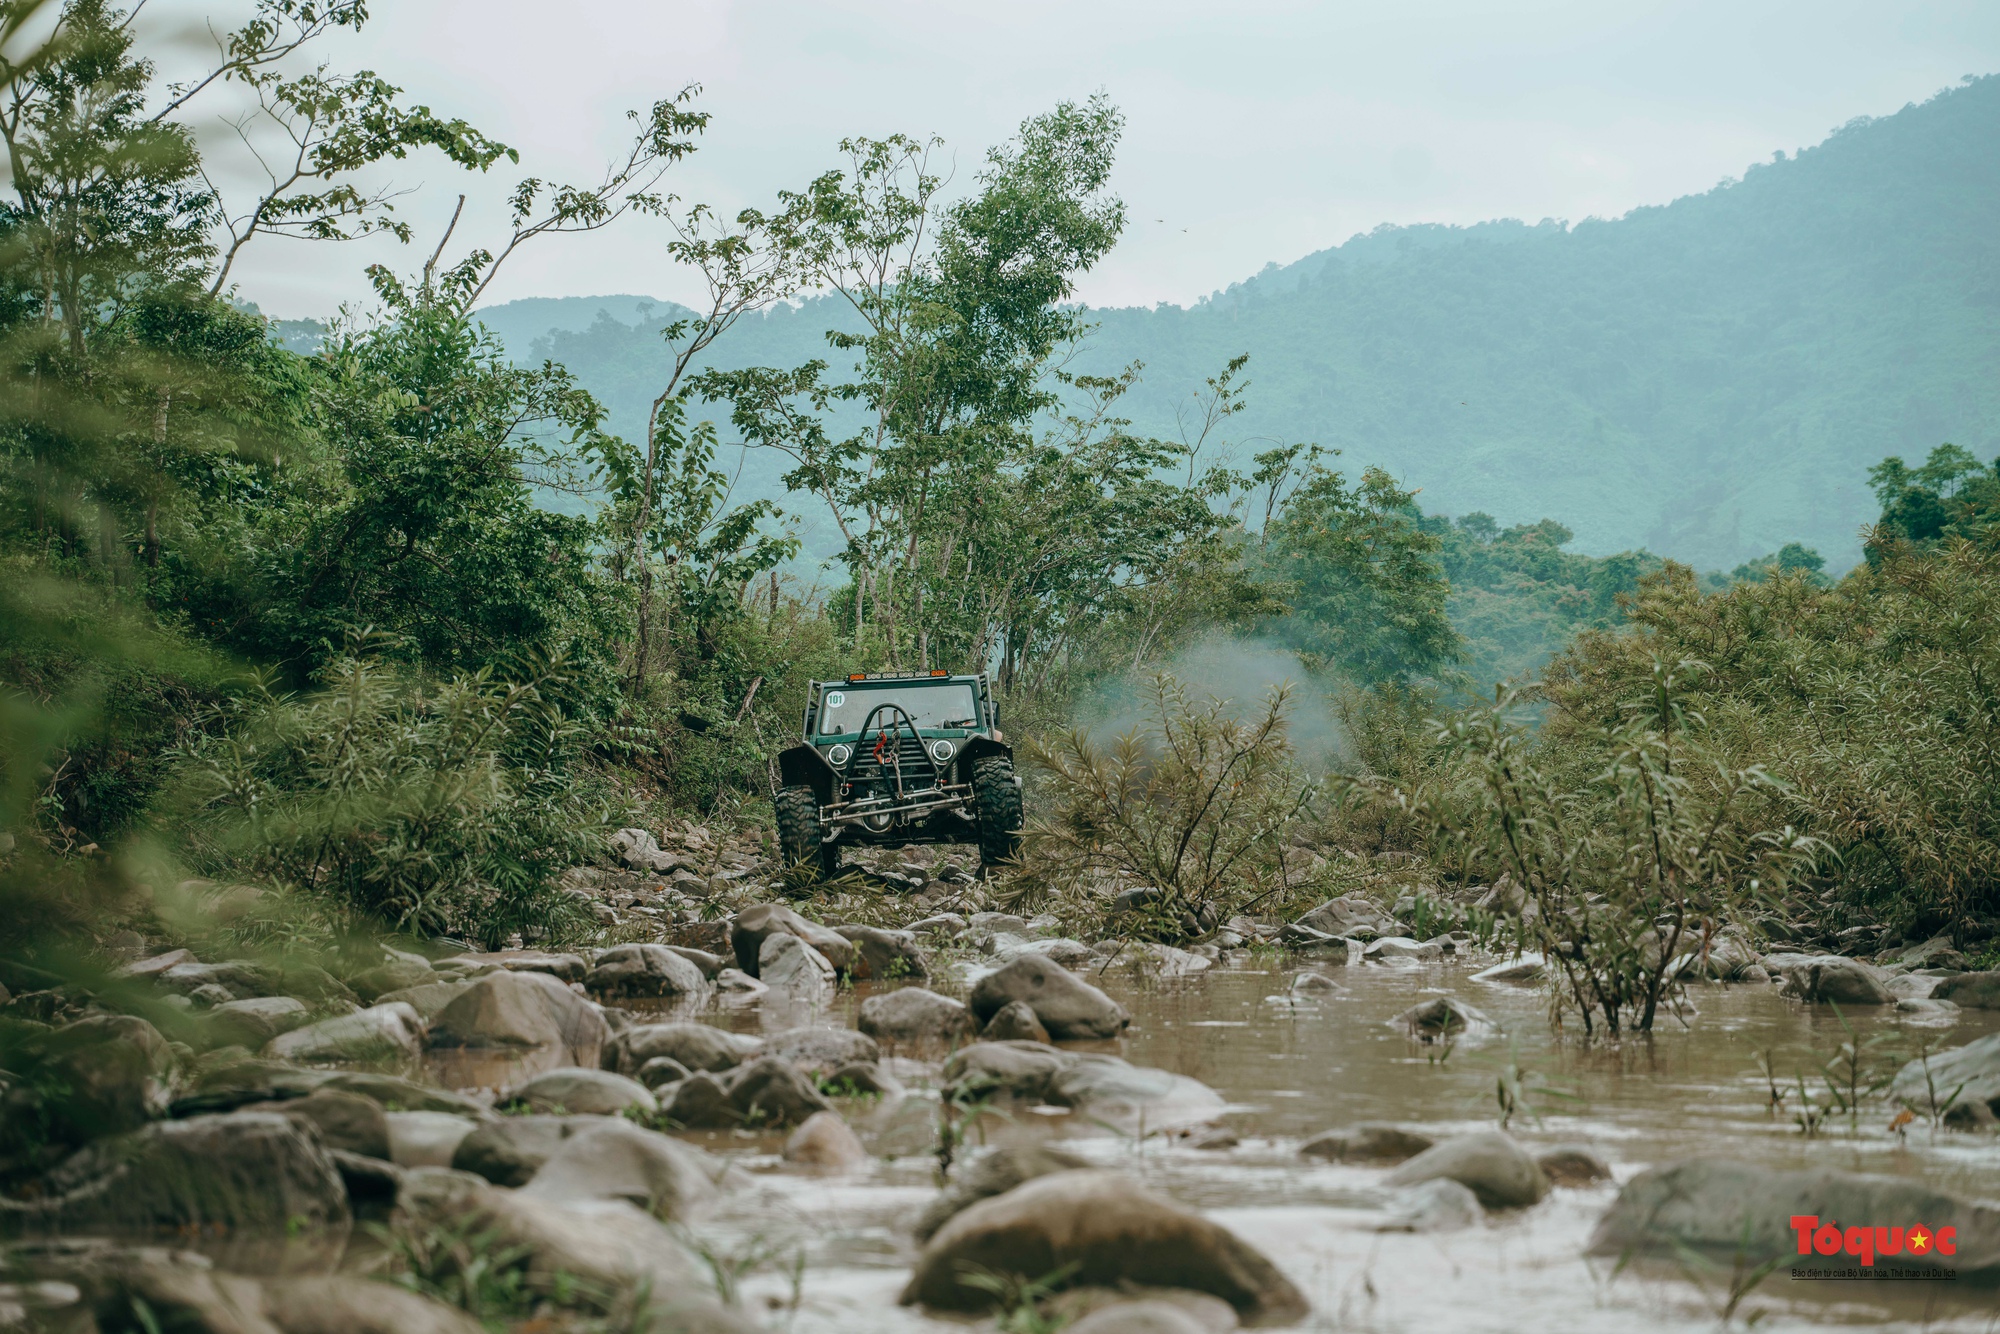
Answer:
[(797, 809), (999, 802)]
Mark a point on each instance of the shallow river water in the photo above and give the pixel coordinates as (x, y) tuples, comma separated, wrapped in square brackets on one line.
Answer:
[(1290, 1069)]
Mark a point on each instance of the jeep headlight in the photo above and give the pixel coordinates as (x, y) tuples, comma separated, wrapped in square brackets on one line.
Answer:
[(942, 750), (837, 755)]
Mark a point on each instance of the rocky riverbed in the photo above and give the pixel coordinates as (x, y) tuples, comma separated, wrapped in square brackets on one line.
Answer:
[(738, 1118)]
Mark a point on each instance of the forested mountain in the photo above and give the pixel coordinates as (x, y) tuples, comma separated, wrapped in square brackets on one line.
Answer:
[(1708, 379)]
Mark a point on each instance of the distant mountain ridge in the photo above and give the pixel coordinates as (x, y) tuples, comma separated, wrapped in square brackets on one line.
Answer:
[(1709, 378)]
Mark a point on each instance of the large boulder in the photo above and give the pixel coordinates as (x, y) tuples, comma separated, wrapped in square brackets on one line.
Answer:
[(1133, 1098), (1490, 1163), (252, 1023), (768, 1093), (1068, 1006), (398, 972), (819, 1050), (1353, 916), (397, 1094), (426, 1139), (224, 1088), (824, 1144), (1104, 1230), (1973, 991), (1960, 1084), (1020, 1069), (914, 1016), (509, 1150), (613, 1159), (696, 1046), (605, 1247), (576, 1090), (345, 1121), (788, 964), (1155, 1316), (1442, 1019), (1368, 1142), (644, 970), (392, 1033), (994, 1172), (338, 1305), (241, 978), (561, 966), (1744, 1212), (245, 1172), (103, 1075), (882, 956), (1829, 977), (756, 924), (1441, 1205), (515, 1010), (428, 1000)]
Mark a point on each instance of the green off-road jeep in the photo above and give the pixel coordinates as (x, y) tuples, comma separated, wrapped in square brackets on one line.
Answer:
[(898, 758)]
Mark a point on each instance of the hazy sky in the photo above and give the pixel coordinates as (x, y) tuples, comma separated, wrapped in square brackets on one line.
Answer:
[(1257, 130)]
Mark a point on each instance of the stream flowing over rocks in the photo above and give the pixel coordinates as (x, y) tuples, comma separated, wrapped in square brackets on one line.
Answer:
[(891, 1127)]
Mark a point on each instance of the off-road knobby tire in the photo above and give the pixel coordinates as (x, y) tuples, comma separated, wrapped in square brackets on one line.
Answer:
[(797, 809), (999, 803)]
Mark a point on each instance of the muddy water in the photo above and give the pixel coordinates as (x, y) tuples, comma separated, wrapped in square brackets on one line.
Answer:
[(1289, 1070)]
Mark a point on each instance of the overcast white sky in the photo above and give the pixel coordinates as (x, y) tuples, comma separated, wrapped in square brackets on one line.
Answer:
[(1258, 130)]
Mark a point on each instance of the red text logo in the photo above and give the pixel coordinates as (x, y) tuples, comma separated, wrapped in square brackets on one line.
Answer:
[(1865, 1243)]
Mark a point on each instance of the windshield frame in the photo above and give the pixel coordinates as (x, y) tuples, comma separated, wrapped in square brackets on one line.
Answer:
[(864, 696)]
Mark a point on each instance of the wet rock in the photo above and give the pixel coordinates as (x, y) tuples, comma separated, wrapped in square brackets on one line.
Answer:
[(371, 1183), (240, 1083), (381, 1033), (1314, 984), (603, 1246), (661, 1070), (1160, 960), (428, 1000), (578, 1091), (994, 1172), (1726, 956), (345, 1121), (788, 964), (1157, 1316), (1132, 1097), (939, 924), (1392, 948), (1829, 977), (1743, 1212), (398, 973), (1971, 1072), (823, 1143), (739, 985), (1441, 1018), (880, 955), (1572, 1165), (155, 965), (861, 1079), (1014, 1022), (1442, 1205), (710, 964), (397, 1094), (754, 925), (106, 1075), (1368, 1142), (239, 977), (990, 923), (513, 1010), (1937, 952), (340, 1305), (252, 1023), (253, 1172), (1351, 915), (1491, 1163), (616, 1160), (1529, 967), (1974, 991), (1068, 1006), (821, 1050), (644, 970), (696, 1046), (426, 1139), (1021, 1069), (914, 1015), (1114, 1232), (767, 1093), (561, 966), (509, 1150)]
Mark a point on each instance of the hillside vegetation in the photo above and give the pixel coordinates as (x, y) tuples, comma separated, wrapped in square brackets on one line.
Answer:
[(1704, 379)]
